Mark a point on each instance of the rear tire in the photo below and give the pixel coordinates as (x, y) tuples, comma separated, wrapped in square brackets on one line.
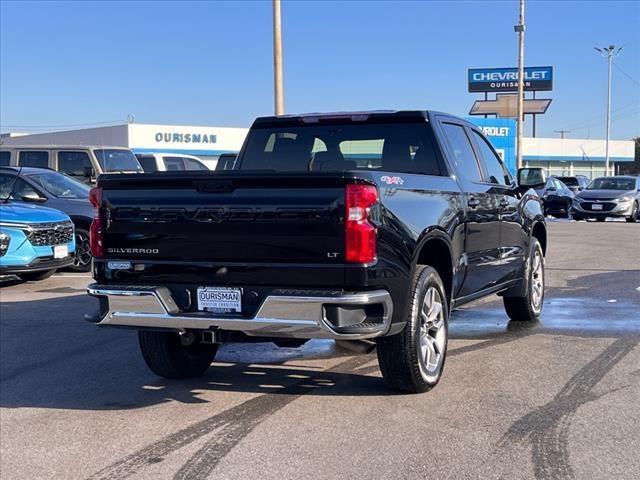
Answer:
[(413, 360), (167, 355), (529, 307), (36, 276)]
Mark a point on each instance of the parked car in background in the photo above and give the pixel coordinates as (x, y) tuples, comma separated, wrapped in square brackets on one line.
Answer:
[(34, 241), (83, 162), (55, 190), (161, 162), (556, 197), (609, 197), (576, 183)]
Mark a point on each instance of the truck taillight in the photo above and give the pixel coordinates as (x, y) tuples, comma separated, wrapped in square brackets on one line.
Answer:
[(96, 232), (360, 237)]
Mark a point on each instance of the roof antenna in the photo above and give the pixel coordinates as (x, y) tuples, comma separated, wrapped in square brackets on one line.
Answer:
[(13, 184)]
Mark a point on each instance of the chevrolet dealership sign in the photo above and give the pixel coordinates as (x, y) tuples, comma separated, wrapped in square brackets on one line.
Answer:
[(506, 79)]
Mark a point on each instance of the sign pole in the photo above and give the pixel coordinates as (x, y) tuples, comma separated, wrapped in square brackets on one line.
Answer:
[(520, 30), (277, 59)]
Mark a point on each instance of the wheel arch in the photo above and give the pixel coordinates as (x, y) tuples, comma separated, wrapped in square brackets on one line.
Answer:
[(80, 221), (539, 232), (435, 250)]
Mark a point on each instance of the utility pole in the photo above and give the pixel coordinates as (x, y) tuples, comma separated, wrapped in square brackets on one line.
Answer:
[(277, 59), (608, 53), (519, 28), (562, 132)]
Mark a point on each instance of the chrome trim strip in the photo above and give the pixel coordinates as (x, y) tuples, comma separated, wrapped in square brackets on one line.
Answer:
[(279, 316)]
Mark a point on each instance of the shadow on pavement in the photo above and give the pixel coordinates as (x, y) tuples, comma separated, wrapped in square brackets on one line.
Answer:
[(51, 358)]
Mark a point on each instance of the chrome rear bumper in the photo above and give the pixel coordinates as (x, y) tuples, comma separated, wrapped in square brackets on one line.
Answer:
[(279, 315)]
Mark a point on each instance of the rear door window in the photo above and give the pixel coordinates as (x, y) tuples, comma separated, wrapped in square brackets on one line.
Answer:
[(33, 158), (5, 159), (463, 156), (73, 162)]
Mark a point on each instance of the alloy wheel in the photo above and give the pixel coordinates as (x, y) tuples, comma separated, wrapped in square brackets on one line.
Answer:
[(537, 281), (83, 251), (432, 335)]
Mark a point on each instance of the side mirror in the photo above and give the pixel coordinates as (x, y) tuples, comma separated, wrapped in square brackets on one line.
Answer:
[(32, 197), (88, 172), (531, 177)]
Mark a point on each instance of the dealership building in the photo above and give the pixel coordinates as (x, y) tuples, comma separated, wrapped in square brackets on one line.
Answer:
[(559, 156), (205, 142)]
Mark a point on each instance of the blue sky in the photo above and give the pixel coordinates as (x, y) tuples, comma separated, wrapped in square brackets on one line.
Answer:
[(210, 63)]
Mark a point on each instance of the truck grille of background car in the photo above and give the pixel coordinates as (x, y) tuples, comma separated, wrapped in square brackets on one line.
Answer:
[(48, 234)]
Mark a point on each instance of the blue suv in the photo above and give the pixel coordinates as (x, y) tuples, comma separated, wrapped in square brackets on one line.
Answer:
[(34, 241)]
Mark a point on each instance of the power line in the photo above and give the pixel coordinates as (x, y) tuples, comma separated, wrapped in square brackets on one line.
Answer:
[(626, 74), (595, 120)]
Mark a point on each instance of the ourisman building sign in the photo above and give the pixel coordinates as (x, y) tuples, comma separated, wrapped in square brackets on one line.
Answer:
[(201, 138)]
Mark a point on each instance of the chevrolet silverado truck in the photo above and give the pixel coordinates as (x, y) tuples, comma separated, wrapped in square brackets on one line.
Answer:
[(348, 226)]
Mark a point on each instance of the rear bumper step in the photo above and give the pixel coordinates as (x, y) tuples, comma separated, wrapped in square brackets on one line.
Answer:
[(292, 316)]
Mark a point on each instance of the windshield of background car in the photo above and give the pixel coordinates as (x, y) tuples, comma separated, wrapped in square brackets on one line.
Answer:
[(61, 186), (117, 161), (604, 183), (394, 147)]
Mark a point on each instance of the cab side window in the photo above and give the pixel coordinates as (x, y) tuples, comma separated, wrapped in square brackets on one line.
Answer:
[(495, 171), (19, 188), (174, 163), (463, 157), (73, 163), (194, 164), (33, 158), (148, 163)]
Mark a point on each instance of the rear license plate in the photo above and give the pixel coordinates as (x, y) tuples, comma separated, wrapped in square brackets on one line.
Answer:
[(220, 299), (596, 206), (60, 251)]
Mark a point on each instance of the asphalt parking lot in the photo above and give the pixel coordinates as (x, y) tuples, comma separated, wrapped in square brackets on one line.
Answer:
[(554, 399)]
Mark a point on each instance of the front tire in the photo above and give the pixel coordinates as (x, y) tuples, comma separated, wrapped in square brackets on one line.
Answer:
[(529, 307), (413, 360), (82, 258), (36, 276), (172, 355)]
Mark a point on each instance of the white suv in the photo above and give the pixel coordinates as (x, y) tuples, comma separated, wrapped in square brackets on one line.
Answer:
[(161, 162)]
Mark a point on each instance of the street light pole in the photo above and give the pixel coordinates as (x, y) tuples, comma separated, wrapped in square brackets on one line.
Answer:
[(519, 126), (608, 53), (277, 59)]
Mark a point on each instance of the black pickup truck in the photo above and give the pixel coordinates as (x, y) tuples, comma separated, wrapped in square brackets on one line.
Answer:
[(344, 226)]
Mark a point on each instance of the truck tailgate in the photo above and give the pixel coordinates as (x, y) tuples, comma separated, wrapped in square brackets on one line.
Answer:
[(233, 218)]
